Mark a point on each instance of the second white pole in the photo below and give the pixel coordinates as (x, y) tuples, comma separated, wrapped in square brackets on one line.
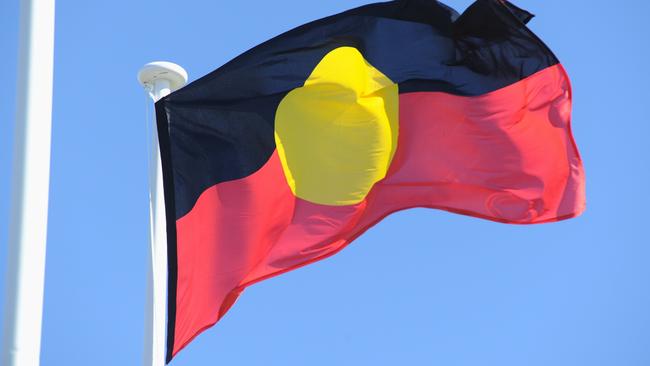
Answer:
[(30, 187)]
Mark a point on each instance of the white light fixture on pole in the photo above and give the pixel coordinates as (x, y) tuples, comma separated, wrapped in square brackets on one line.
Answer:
[(30, 186), (160, 79)]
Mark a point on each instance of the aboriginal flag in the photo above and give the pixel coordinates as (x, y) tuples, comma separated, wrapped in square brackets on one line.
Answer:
[(287, 153)]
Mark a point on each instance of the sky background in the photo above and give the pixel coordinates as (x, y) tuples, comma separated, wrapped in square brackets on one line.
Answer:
[(423, 287)]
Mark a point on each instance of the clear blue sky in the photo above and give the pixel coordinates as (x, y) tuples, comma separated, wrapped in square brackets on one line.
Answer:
[(422, 288)]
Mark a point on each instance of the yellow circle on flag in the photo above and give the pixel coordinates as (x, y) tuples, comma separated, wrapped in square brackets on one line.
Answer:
[(337, 134)]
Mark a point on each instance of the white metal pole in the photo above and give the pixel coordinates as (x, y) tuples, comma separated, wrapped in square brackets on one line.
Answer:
[(30, 186), (160, 78)]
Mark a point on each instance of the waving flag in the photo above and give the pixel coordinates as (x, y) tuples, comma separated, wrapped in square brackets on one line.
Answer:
[(290, 151)]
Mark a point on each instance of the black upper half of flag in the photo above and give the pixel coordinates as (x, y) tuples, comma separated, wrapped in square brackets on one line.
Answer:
[(221, 126)]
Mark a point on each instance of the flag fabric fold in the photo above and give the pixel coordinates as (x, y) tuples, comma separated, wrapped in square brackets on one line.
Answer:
[(287, 153)]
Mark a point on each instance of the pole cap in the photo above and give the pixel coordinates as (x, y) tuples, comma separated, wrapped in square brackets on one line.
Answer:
[(163, 70)]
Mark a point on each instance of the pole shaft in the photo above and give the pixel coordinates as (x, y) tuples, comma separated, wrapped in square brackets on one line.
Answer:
[(30, 186), (154, 352)]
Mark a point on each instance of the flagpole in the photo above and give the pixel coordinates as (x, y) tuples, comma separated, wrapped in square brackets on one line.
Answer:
[(160, 79), (30, 186)]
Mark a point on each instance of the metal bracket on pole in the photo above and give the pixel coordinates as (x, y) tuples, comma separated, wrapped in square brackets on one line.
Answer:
[(159, 79)]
